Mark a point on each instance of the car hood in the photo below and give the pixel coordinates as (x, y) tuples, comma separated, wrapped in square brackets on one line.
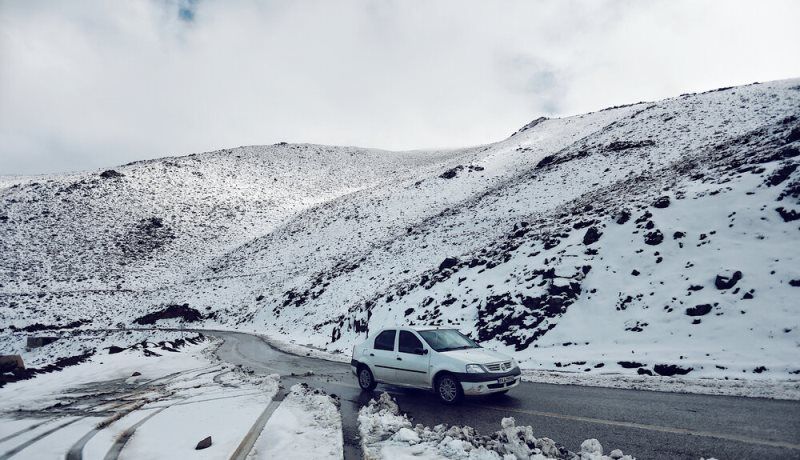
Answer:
[(477, 355)]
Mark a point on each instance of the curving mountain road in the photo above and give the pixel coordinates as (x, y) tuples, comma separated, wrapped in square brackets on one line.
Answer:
[(648, 425)]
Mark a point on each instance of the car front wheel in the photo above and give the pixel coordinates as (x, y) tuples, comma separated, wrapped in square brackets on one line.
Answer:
[(365, 379), (448, 389)]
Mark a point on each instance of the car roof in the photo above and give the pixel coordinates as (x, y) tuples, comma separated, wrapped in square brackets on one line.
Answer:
[(418, 328)]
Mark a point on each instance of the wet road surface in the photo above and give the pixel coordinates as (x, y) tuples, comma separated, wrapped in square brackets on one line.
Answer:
[(648, 425)]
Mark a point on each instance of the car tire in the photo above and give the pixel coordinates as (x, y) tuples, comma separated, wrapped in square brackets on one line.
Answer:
[(365, 379), (448, 389)]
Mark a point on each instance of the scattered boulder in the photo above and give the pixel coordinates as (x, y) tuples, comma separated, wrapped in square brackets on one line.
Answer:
[(203, 444), (794, 135), (136, 374), (449, 262), (699, 310), (661, 202), (591, 236), (727, 280), (113, 349), (630, 364), (668, 370), (654, 238), (37, 342), (11, 363), (451, 173)]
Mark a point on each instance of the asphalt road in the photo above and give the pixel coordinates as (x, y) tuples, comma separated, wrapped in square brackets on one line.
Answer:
[(648, 425)]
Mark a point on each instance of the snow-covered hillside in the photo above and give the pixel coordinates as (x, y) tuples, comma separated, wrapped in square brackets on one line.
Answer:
[(653, 238)]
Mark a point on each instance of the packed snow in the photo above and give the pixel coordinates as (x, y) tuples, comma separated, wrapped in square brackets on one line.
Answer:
[(170, 398), (307, 424)]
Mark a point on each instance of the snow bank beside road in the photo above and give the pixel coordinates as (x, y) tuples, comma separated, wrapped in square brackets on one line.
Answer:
[(762, 388), (388, 434), (307, 424)]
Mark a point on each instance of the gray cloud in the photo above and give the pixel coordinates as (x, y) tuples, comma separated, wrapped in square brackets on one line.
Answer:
[(93, 84)]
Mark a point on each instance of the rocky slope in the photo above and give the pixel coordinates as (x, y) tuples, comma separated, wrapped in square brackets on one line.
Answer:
[(653, 238)]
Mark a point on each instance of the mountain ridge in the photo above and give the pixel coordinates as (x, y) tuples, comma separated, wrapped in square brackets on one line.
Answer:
[(553, 239)]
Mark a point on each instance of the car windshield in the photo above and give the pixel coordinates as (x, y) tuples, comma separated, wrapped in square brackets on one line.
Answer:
[(447, 340)]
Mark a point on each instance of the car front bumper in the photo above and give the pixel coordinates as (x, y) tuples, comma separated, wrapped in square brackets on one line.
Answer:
[(489, 382)]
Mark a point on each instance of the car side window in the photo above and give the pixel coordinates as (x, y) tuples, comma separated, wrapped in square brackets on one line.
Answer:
[(408, 342), (385, 340)]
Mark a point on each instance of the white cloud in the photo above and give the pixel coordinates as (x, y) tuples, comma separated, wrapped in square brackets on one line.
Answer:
[(93, 84)]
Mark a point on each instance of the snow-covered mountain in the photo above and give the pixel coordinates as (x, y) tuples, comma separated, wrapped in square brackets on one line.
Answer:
[(648, 238)]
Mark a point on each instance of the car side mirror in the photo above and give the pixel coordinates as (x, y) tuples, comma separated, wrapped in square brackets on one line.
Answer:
[(421, 351)]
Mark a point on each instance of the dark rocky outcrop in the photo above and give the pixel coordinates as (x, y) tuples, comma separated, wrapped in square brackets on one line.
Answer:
[(661, 202), (449, 262), (699, 310), (654, 238), (727, 280), (788, 215), (781, 174), (183, 312), (111, 174), (28, 373), (617, 146), (668, 370), (591, 236)]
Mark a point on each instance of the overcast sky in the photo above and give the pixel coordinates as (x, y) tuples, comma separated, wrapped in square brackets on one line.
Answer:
[(90, 84)]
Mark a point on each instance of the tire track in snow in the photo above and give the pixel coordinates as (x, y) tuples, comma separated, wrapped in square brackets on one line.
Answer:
[(252, 435), (14, 451), (25, 430), (125, 436)]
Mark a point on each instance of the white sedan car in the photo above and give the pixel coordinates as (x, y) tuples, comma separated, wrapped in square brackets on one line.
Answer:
[(444, 360)]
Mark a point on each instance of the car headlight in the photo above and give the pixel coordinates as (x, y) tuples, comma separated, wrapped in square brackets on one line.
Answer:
[(475, 369), (514, 363)]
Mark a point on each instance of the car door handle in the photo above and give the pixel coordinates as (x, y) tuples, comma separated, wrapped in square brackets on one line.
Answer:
[(372, 354), (399, 358)]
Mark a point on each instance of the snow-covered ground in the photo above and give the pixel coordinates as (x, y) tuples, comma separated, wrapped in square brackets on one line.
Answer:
[(307, 424), (655, 240), (169, 401), (386, 433)]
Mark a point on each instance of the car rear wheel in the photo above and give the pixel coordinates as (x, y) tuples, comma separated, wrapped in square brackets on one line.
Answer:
[(448, 389), (365, 379)]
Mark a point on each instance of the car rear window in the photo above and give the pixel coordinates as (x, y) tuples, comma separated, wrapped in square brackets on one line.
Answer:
[(385, 340)]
